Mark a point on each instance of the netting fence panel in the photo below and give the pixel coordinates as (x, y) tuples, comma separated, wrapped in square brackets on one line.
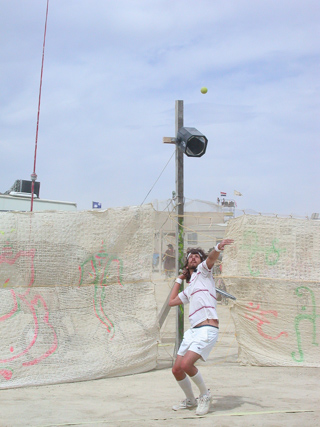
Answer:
[(76, 299), (273, 269)]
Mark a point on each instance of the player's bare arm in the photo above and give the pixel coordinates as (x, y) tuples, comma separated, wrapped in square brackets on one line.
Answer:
[(174, 299), (214, 254)]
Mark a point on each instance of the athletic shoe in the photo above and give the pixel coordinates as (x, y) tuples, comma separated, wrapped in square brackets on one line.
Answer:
[(185, 404), (204, 402)]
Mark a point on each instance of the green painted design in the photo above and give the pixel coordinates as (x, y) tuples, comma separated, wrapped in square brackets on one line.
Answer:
[(99, 264), (272, 254), (311, 317), (17, 311)]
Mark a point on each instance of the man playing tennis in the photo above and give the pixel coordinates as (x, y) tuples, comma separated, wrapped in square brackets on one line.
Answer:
[(199, 340)]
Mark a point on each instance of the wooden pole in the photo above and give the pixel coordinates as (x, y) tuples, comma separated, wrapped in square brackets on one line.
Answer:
[(180, 216)]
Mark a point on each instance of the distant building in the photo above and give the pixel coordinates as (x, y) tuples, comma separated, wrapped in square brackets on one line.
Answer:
[(204, 226), (18, 198)]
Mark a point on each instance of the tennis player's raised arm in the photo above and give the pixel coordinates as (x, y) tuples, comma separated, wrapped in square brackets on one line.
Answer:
[(174, 299), (214, 254)]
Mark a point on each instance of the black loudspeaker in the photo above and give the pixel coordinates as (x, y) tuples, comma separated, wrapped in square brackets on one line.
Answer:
[(26, 186), (191, 142)]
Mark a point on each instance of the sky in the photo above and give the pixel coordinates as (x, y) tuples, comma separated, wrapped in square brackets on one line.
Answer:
[(113, 70)]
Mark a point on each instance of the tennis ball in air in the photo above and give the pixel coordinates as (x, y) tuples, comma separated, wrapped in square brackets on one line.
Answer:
[(204, 90)]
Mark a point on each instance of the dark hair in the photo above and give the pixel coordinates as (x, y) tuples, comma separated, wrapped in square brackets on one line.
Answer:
[(198, 251)]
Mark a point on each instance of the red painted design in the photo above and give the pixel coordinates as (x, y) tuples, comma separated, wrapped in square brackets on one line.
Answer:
[(260, 317), (6, 374), (7, 257), (15, 308)]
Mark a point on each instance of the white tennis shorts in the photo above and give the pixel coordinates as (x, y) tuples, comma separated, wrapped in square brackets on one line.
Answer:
[(200, 340)]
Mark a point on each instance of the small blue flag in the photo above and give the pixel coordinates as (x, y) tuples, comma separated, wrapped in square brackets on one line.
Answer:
[(96, 205)]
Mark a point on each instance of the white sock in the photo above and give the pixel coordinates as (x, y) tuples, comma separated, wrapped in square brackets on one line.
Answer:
[(198, 380), (186, 386)]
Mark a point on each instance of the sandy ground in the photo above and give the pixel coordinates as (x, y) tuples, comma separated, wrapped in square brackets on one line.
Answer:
[(243, 395)]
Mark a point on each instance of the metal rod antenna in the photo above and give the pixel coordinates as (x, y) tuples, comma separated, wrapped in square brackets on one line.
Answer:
[(34, 175)]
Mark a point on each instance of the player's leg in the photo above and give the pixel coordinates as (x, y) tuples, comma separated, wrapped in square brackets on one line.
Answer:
[(188, 361), (185, 384), (204, 340), (187, 365)]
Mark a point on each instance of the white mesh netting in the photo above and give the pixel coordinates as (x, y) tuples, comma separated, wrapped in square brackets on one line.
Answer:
[(273, 269), (76, 300)]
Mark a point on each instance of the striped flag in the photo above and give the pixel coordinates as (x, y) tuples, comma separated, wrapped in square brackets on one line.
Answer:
[(222, 194)]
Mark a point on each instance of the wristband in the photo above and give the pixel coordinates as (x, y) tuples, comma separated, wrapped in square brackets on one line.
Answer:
[(216, 248), (178, 280)]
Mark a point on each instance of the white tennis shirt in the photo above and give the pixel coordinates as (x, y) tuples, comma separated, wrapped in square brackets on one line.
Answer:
[(201, 294)]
